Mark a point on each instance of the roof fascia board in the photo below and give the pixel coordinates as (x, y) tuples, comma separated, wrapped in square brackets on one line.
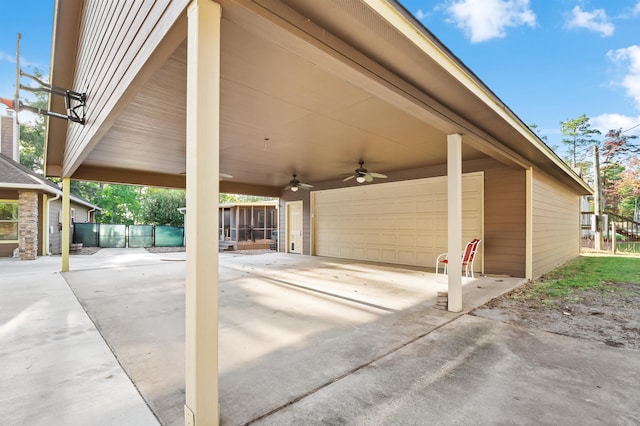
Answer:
[(130, 177), (64, 42), (390, 11), (31, 186), (46, 188), (227, 187)]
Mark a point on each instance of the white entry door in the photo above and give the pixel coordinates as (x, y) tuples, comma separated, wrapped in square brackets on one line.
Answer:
[(294, 227)]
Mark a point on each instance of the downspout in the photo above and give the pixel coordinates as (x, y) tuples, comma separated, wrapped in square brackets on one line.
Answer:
[(89, 214), (46, 236)]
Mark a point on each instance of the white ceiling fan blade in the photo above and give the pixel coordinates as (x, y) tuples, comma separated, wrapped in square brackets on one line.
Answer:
[(368, 177), (378, 175), (347, 178), (288, 187), (305, 185)]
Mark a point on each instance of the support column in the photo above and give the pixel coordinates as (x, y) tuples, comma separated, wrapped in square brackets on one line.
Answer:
[(45, 224), (454, 227), (66, 222), (28, 225), (203, 143), (528, 261)]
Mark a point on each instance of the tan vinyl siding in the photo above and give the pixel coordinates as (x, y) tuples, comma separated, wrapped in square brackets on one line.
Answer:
[(556, 224), (504, 221), (116, 40), (55, 239)]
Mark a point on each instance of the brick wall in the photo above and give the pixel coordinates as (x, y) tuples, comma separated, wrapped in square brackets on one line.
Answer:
[(28, 224)]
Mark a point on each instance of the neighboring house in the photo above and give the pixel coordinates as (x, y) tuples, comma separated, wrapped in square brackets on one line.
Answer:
[(248, 225), (262, 90), (30, 205)]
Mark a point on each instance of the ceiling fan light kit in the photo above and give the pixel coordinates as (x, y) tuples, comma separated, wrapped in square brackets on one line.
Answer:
[(362, 175), (295, 185)]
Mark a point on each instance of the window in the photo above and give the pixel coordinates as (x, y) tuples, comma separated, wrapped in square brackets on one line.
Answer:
[(8, 221)]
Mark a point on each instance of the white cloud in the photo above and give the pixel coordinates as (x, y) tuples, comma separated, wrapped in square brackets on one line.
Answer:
[(5, 57), (606, 122), (595, 21), (631, 81), (483, 20), (636, 9), (420, 14)]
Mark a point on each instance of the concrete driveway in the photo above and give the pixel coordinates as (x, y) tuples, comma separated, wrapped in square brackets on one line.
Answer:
[(307, 340)]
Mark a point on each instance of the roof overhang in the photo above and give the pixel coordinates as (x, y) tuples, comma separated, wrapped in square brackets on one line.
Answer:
[(307, 87)]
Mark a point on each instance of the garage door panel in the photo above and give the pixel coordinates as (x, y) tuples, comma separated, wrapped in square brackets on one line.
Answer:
[(373, 254), (373, 238), (407, 257), (397, 222), (389, 256), (406, 239)]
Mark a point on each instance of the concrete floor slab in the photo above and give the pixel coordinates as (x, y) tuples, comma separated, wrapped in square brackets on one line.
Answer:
[(288, 324), (56, 369), (481, 372), (303, 340)]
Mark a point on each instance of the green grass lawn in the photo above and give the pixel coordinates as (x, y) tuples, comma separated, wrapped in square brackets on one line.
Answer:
[(595, 272)]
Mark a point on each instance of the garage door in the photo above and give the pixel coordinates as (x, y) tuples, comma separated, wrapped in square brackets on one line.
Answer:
[(396, 222)]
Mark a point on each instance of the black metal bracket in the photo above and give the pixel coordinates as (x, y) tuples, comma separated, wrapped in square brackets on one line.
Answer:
[(74, 102)]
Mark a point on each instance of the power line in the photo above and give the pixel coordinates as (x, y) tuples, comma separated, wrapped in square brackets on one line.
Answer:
[(631, 128)]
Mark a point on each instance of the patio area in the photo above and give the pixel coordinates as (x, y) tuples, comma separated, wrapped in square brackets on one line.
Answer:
[(289, 325), (302, 340)]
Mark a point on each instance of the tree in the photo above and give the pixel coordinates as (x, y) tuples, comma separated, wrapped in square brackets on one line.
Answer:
[(159, 206), (536, 129), (86, 190), (578, 134), (617, 147), (628, 189), (32, 136), (239, 198), (119, 203), (611, 174)]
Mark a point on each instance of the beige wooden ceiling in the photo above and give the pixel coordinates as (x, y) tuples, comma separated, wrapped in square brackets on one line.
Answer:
[(284, 110)]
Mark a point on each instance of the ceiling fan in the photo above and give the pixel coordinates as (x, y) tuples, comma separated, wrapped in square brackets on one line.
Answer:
[(363, 175), (295, 184)]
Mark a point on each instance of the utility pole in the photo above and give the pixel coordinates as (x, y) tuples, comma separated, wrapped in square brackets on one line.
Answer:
[(597, 213)]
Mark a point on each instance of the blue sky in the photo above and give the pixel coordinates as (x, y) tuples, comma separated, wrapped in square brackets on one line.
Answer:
[(34, 20), (548, 60)]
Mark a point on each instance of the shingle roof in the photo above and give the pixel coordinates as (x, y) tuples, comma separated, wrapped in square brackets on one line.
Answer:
[(12, 172), (16, 176)]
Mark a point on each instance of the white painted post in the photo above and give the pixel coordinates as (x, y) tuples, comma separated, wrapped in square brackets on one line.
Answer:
[(528, 262), (613, 238), (203, 147), (454, 227), (66, 222)]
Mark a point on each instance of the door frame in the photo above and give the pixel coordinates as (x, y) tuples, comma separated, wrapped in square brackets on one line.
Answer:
[(288, 205)]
